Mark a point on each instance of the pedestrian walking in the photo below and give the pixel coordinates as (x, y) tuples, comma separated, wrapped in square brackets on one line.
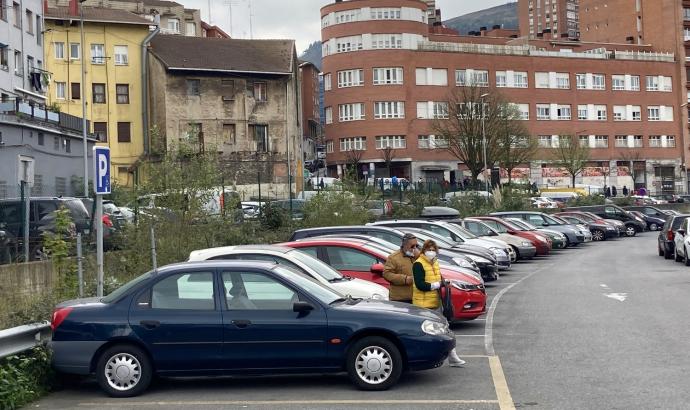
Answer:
[(427, 282), (398, 269), (614, 191), (394, 183), (625, 190), (607, 191), (643, 191)]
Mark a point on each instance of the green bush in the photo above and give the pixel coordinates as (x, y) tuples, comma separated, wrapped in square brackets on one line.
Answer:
[(24, 378), (334, 208)]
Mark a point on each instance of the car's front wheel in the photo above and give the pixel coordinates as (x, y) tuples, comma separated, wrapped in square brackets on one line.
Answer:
[(630, 231), (598, 235), (124, 371), (374, 363), (653, 227)]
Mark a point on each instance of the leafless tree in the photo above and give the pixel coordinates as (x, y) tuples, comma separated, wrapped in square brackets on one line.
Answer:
[(571, 155), (388, 155), (353, 158), (515, 146)]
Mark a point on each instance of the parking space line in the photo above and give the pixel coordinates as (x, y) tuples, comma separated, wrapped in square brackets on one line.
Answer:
[(505, 400), (469, 335), (119, 404)]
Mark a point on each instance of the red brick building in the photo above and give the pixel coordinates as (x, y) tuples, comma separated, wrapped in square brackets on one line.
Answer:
[(387, 74), (311, 112), (549, 18)]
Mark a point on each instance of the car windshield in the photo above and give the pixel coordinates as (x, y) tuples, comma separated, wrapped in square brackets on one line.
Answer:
[(312, 287), (461, 232), (316, 265), (552, 221), (561, 220), (527, 225), (122, 290), (440, 241), (496, 227), (585, 218)]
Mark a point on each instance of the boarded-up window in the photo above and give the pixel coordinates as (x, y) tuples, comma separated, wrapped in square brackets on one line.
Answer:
[(229, 136), (228, 88), (260, 134)]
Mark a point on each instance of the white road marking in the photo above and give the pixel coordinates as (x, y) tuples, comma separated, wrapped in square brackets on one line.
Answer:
[(120, 404), (617, 296)]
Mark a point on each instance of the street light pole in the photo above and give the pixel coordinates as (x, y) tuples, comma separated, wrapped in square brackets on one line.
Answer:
[(83, 100), (486, 180)]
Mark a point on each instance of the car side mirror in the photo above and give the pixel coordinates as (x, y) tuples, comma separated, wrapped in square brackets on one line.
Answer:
[(681, 232), (377, 268), (302, 307), (492, 233), (545, 224), (510, 232)]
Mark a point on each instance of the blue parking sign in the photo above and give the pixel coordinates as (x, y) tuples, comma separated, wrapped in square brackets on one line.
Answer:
[(101, 175)]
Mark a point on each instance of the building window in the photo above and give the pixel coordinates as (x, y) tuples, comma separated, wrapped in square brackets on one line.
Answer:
[(652, 83), (68, 145), (522, 110), (621, 141), (653, 113), (18, 63), (659, 83), (388, 76), (635, 83), (122, 92), (543, 112), (432, 76), (74, 51), (174, 25), (563, 112), (671, 141), (60, 90), (97, 54), (618, 82), (563, 81), (601, 141), (636, 112), (190, 29), (386, 41), (478, 78), (41, 139), (601, 112), (353, 144), (327, 82), (329, 115), (389, 110), (346, 44), (330, 147), (501, 79), (100, 131), (545, 141), (98, 90), (598, 82), (655, 141), (29, 22), (229, 134), (76, 91), (59, 48), (3, 10), (60, 186), (350, 78), (423, 142), (194, 87), (124, 132), (391, 141), (351, 112), (385, 13), (582, 112), (637, 141), (581, 80), (39, 30), (17, 15), (347, 16), (260, 134), (511, 79), (260, 91), (4, 59), (56, 143), (121, 55), (432, 110)]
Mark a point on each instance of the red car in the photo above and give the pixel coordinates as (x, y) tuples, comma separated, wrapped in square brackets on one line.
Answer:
[(363, 260), (541, 242)]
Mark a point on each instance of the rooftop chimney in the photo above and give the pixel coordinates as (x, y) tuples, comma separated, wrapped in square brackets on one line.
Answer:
[(497, 27)]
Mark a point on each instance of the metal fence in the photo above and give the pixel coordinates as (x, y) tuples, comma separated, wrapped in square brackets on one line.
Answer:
[(22, 338)]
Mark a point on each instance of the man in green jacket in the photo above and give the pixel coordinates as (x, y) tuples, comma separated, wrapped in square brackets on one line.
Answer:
[(398, 269)]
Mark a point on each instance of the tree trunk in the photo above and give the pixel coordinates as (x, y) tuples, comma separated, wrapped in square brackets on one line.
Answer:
[(573, 181)]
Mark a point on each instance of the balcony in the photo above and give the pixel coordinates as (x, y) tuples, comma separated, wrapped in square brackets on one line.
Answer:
[(42, 115)]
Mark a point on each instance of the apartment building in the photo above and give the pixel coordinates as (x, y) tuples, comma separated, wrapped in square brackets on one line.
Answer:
[(551, 19), (311, 109), (21, 51), (240, 98), (113, 89), (385, 90)]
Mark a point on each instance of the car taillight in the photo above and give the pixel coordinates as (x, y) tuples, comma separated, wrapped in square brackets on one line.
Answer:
[(669, 235), (59, 315)]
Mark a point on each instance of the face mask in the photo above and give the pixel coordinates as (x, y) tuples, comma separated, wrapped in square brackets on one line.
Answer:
[(409, 254), (430, 255)]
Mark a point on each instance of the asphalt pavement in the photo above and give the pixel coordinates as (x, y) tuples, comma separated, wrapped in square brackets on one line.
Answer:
[(603, 326)]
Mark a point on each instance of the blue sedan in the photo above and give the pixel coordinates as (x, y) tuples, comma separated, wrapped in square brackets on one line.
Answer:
[(249, 318)]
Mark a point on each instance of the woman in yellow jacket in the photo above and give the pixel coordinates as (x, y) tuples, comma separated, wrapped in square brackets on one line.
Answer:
[(427, 281)]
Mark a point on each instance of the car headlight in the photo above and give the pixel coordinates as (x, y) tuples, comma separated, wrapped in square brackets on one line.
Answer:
[(542, 239), (498, 252), (610, 228), (434, 328), (378, 296), (526, 243), (465, 263)]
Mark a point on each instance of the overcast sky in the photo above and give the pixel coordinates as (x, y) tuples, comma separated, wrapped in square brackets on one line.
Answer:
[(296, 19)]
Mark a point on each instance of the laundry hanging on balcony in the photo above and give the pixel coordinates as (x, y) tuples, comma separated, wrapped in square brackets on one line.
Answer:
[(36, 81)]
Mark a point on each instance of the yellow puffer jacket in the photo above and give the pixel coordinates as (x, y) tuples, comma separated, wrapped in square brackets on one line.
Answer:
[(432, 273)]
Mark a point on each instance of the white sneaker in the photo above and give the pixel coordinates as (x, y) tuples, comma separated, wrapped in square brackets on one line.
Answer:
[(454, 360)]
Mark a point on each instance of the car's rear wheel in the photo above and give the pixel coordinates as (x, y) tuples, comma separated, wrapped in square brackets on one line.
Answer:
[(653, 227), (374, 363), (630, 231), (676, 256), (686, 260), (598, 235), (124, 371)]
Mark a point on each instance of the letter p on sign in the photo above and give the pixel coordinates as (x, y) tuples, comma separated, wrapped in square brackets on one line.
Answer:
[(101, 176)]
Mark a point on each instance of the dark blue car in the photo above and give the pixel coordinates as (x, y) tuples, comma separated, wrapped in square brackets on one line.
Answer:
[(223, 318)]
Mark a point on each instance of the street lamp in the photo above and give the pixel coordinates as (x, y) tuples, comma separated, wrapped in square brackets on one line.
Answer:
[(486, 180)]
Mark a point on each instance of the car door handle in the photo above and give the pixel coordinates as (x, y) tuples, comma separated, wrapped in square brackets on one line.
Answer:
[(150, 324), (241, 323)]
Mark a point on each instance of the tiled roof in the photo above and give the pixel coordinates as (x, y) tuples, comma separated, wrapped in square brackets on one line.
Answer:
[(95, 14)]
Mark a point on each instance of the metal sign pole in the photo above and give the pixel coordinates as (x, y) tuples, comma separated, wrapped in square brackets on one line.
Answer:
[(80, 267), (99, 243), (101, 159), (27, 213)]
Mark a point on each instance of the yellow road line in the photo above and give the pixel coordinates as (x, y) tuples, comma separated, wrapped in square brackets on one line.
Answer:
[(505, 401), (121, 404)]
